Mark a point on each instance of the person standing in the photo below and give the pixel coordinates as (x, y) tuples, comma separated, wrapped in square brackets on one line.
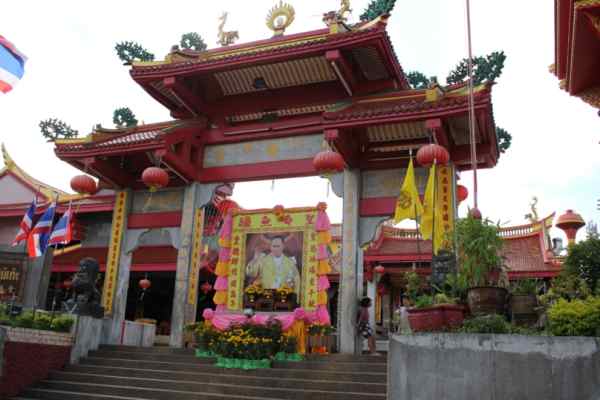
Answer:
[(364, 326)]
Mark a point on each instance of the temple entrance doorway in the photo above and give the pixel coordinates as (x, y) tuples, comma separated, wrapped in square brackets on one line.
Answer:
[(154, 304)]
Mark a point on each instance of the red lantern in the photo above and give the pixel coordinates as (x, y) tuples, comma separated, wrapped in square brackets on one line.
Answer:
[(475, 213), (84, 184), (430, 152), (328, 162), (461, 193), (380, 269), (67, 283), (155, 178), (145, 283)]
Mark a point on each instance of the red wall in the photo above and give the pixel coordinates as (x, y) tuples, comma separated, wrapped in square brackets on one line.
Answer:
[(27, 363)]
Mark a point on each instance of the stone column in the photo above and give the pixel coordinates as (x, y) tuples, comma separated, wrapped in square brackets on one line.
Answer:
[(371, 293), (128, 243), (181, 309), (348, 297)]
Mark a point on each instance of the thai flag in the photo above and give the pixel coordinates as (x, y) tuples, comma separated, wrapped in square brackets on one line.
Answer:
[(63, 231), (38, 239), (12, 65), (26, 224)]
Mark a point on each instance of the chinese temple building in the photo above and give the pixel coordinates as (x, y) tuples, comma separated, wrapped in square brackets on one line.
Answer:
[(254, 111), (577, 48)]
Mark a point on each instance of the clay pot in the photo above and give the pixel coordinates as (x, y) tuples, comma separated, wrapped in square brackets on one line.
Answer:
[(487, 300), (523, 309)]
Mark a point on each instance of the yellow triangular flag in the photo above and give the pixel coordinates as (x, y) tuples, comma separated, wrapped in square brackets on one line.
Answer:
[(426, 225), (408, 204)]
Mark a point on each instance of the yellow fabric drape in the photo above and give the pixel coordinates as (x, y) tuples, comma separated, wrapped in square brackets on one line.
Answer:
[(324, 237), (324, 267), (222, 269), (220, 297), (298, 330), (408, 204), (322, 298)]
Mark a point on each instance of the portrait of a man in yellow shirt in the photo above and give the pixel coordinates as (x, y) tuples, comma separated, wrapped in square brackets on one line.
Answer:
[(275, 269)]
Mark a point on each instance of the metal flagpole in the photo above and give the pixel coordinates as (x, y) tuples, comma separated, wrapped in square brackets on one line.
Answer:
[(471, 107)]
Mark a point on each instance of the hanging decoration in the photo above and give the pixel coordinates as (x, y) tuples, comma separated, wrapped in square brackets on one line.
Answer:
[(84, 185), (461, 193), (144, 285), (226, 205), (428, 153), (475, 213), (155, 178), (380, 269), (328, 162), (67, 283), (206, 287)]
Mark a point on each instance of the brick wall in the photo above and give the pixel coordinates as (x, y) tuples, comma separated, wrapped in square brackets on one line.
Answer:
[(29, 355)]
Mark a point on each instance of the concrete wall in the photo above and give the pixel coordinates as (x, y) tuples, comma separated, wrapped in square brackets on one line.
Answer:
[(493, 367), (87, 332)]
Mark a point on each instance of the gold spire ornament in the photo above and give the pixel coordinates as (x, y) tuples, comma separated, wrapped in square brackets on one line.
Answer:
[(344, 10), (280, 17), (226, 37)]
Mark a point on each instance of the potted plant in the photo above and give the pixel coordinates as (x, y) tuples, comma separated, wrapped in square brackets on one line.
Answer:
[(425, 316), (479, 246), (523, 301), (320, 338)]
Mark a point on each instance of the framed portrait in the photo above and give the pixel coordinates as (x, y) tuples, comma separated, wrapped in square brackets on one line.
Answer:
[(273, 249)]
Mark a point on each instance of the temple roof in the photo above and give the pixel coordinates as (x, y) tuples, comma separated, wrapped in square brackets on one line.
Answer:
[(577, 48), (19, 188), (526, 249)]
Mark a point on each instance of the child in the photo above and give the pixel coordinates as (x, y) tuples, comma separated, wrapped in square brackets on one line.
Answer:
[(364, 328)]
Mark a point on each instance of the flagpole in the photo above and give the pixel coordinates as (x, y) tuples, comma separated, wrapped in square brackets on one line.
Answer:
[(416, 222), (433, 210)]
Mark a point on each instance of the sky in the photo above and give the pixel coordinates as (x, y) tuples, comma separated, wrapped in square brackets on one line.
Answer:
[(73, 74)]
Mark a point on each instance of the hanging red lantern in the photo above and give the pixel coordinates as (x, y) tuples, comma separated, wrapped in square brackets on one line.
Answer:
[(475, 213), (430, 152), (67, 283), (206, 287), (84, 184), (461, 193), (380, 269), (328, 162), (145, 283), (155, 178)]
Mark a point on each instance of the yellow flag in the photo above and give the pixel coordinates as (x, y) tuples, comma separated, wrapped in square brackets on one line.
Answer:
[(432, 212), (408, 204)]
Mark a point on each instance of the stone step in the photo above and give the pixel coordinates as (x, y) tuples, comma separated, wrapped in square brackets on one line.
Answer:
[(313, 363), (293, 370), (152, 353), (82, 372), (169, 390), (47, 394)]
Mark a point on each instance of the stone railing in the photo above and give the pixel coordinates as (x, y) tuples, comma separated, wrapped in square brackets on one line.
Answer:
[(25, 335)]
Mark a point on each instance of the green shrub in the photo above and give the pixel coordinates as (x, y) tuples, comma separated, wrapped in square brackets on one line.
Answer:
[(62, 324), (424, 301), (486, 324), (25, 320), (42, 322), (525, 287), (443, 298), (575, 318)]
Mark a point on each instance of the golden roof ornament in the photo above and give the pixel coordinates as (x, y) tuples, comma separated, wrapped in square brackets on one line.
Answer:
[(533, 215), (226, 37), (280, 17), (8, 161)]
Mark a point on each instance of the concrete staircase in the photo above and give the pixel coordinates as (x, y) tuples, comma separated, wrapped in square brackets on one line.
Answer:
[(127, 373)]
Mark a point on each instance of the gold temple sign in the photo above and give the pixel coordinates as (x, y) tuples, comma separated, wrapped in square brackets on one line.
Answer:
[(10, 281), (280, 17)]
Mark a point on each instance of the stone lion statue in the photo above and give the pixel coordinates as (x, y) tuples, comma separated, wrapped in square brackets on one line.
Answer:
[(85, 299)]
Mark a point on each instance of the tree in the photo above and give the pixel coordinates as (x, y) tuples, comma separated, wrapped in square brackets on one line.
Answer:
[(192, 40), (53, 129), (504, 139), (124, 117), (129, 52), (377, 8), (583, 260), (418, 80), (485, 69)]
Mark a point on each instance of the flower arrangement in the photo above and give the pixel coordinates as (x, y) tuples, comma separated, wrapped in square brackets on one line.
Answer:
[(283, 292), (253, 291), (320, 338)]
